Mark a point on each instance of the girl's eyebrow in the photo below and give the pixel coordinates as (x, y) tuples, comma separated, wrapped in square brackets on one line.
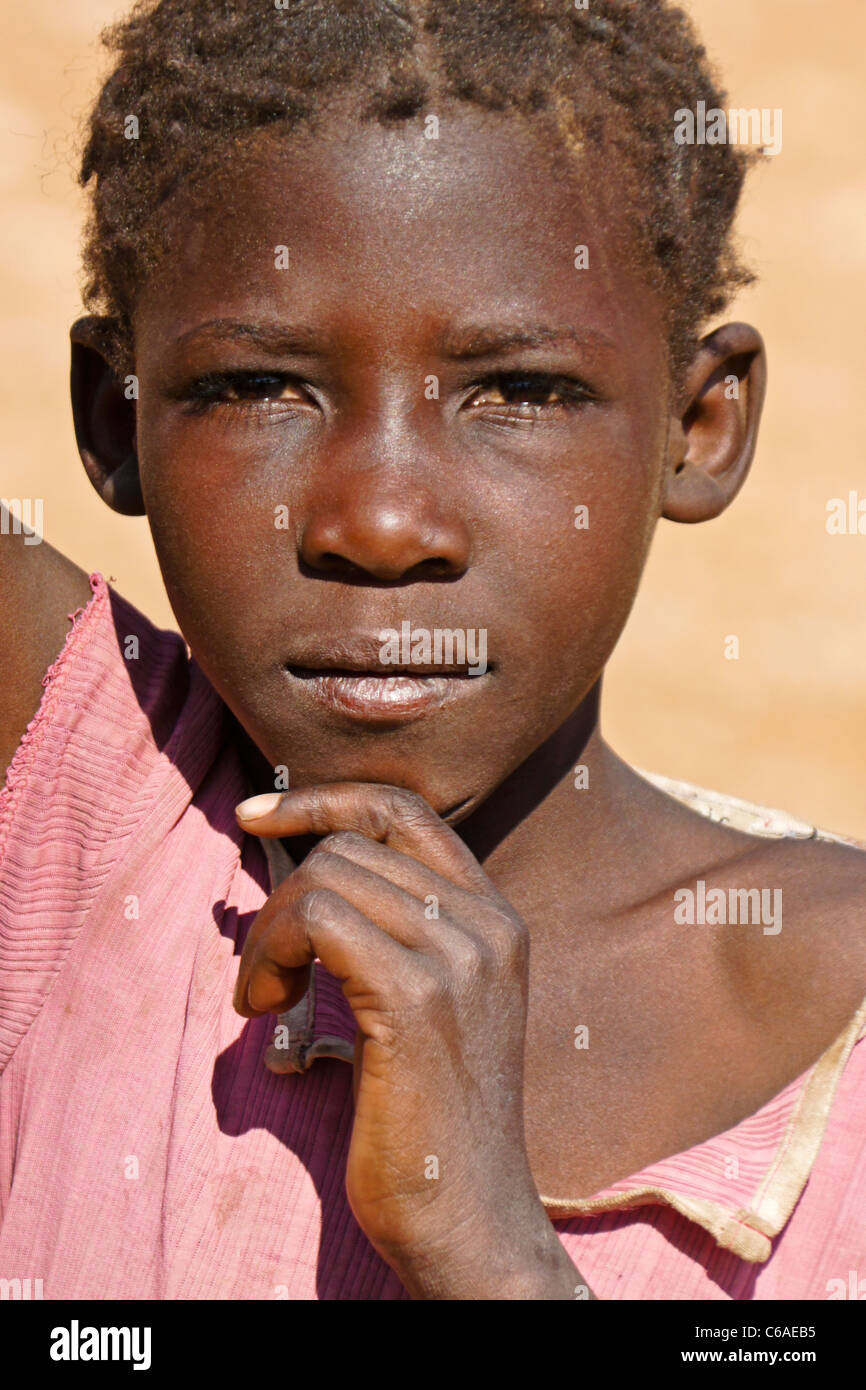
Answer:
[(469, 341), (276, 339), (486, 340)]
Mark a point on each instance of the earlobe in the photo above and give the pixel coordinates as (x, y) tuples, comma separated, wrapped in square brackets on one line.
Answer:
[(103, 411), (712, 444)]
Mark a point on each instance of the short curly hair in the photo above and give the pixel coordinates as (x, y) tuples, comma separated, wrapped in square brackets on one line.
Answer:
[(198, 77)]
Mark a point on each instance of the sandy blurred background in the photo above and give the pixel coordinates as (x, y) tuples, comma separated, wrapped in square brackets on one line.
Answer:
[(786, 723)]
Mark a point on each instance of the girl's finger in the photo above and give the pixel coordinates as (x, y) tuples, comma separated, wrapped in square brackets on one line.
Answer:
[(416, 879), (389, 906), (319, 923), (400, 819)]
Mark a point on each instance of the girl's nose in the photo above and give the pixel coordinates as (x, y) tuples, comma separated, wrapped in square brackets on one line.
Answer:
[(367, 525)]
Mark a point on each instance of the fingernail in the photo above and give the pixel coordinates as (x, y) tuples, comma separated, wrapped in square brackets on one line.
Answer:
[(256, 806)]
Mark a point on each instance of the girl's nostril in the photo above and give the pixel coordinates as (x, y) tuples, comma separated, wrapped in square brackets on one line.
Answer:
[(436, 565)]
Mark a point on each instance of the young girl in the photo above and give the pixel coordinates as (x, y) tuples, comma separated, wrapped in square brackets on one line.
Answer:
[(341, 956)]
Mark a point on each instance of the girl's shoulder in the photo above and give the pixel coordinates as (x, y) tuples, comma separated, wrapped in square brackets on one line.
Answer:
[(751, 817), (806, 958), (41, 589), (112, 702)]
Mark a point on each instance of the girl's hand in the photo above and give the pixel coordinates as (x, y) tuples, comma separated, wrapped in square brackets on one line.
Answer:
[(434, 963)]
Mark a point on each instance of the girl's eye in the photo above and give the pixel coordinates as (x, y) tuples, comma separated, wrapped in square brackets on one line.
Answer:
[(508, 395), (243, 389), (537, 392)]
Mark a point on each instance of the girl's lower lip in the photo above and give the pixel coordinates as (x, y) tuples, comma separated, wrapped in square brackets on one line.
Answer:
[(380, 698)]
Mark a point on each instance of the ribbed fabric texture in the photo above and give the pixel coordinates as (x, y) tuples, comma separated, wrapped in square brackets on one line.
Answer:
[(146, 1151)]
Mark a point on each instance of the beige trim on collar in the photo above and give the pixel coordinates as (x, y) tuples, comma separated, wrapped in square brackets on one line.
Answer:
[(748, 1231)]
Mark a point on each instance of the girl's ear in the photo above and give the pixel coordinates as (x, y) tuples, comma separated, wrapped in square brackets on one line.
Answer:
[(103, 410), (712, 443)]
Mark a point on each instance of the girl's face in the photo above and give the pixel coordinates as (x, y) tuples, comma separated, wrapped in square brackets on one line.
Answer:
[(376, 390)]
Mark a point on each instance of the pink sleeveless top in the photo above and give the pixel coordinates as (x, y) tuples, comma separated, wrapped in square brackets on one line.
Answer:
[(147, 1150)]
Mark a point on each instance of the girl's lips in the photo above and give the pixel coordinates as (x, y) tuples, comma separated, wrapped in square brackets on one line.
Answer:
[(380, 698)]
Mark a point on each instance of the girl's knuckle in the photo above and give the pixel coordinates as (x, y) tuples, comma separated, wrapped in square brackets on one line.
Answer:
[(406, 805), (342, 842), (509, 938), (423, 991), (315, 905)]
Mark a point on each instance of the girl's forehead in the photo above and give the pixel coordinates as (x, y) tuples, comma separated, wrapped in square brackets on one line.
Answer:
[(481, 204), (516, 165)]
